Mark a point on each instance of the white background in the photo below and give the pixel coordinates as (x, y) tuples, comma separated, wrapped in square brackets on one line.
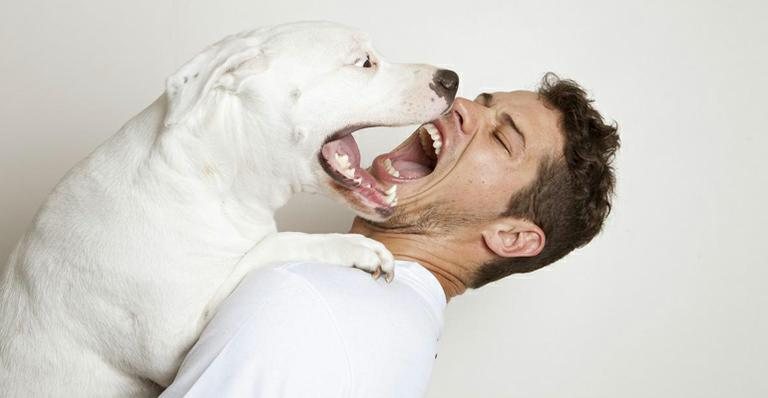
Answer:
[(668, 302)]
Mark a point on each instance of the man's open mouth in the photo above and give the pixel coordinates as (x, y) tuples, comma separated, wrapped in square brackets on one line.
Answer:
[(415, 158)]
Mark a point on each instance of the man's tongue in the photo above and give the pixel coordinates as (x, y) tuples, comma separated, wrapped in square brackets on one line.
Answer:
[(410, 169)]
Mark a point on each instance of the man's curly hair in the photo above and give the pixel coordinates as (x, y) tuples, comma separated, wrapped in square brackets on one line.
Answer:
[(571, 197)]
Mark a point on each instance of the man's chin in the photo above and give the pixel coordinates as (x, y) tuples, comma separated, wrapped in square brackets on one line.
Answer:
[(408, 218)]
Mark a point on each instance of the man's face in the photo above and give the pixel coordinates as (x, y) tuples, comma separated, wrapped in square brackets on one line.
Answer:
[(489, 149)]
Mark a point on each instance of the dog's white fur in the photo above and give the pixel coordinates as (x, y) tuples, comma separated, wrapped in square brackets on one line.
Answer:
[(140, 241)]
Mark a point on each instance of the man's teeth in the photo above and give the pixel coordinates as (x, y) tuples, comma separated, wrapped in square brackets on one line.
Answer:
[(344, 167), (434, 133), (390, 168)]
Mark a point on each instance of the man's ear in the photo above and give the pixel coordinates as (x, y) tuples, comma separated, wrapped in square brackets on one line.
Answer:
[(193, 81), (511, 237)]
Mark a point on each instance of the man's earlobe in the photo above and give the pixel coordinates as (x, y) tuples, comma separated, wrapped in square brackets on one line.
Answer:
[(514, 238)]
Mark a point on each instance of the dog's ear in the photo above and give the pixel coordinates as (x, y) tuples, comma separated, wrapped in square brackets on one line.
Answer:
[(193, 81)]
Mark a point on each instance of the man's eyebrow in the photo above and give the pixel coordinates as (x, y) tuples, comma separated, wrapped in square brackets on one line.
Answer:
[(507, 119)]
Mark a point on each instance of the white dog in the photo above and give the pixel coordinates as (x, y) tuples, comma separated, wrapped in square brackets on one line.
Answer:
[(136, 246)]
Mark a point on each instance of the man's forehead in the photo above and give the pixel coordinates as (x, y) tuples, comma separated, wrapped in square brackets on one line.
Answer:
[(521, 101), (514, 98)]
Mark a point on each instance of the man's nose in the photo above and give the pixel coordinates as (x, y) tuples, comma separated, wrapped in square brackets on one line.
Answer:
[(467, 112), (445, 83)]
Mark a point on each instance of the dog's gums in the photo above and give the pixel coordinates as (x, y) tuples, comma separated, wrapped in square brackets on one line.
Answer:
[(415, 158)]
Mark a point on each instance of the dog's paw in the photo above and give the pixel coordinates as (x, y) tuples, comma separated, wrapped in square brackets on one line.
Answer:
[(351, 250), (364, 253)]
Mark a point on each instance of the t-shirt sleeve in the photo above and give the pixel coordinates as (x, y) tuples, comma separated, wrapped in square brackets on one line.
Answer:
[(273, 337)]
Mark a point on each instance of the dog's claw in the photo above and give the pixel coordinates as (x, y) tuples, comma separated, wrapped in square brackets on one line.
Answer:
[(377, 274), (389, 276)]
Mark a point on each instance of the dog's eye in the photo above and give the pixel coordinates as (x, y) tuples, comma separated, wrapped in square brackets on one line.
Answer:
[(364, 62)]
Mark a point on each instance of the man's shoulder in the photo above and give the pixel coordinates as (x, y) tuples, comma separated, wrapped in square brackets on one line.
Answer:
[(389, 331), (340, 286), (310, 326)]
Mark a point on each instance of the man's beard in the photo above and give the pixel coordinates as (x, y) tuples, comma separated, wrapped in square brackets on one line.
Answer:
[(434, 219)]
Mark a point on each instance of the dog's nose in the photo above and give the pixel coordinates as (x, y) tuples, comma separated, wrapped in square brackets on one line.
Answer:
[(445, 83)]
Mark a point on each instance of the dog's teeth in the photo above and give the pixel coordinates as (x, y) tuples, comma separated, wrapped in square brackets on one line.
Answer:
[(391, 195), (344, 166), (391, 199), (358, 180), (349, 173), (342, 160)]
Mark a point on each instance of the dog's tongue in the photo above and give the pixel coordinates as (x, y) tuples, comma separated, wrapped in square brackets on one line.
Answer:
[(343, 146), (343, 157)]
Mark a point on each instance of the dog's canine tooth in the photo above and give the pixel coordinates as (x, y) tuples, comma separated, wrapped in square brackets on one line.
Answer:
[(391, 190)]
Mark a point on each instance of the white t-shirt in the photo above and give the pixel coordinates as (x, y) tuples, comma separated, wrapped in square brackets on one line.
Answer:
[(314, 330)]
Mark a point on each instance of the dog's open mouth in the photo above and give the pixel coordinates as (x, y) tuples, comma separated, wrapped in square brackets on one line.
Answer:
[(415, 158)]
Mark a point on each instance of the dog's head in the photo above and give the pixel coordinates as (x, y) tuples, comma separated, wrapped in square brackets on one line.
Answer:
[(305, 88)]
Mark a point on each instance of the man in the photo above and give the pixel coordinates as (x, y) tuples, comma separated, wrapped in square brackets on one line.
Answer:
[(517, 181)]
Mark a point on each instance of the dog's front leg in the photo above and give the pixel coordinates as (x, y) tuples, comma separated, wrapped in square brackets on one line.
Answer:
[(351, 250)]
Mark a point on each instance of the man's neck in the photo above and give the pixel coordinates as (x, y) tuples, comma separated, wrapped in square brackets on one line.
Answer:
[(443, 261)]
